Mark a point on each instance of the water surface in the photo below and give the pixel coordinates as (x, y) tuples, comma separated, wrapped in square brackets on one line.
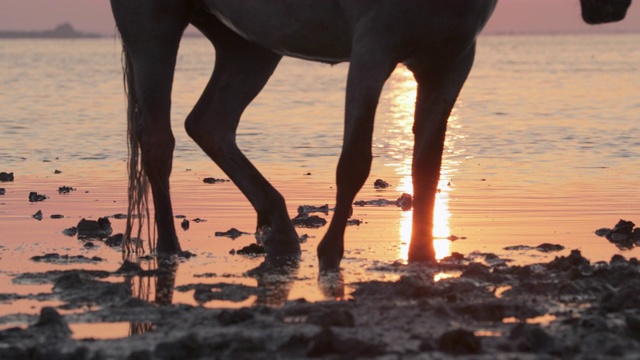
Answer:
[(542, 146)]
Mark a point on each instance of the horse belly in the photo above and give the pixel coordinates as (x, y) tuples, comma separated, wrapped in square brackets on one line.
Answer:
[(308, 29)]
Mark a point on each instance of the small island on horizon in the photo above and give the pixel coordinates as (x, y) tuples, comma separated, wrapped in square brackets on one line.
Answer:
[(62, 31)]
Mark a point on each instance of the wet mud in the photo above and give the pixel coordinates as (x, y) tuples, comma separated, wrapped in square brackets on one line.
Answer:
[(568, 308)]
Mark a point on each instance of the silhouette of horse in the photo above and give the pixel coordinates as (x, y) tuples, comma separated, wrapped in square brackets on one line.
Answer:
[(435, 39)]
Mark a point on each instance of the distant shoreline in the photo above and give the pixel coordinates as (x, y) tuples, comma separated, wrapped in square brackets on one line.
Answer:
[(63, 31)]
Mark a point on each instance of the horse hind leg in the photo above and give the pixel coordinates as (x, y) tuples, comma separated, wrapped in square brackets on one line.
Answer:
[(151, 32), (241, 71)]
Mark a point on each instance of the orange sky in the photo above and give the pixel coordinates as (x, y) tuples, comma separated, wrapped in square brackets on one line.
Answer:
[(511, 16)]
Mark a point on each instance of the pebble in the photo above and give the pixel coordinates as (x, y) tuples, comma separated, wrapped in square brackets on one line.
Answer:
[(35, 197), (6, 177)]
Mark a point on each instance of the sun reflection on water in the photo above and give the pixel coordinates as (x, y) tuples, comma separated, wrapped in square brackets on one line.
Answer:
[(403, 96)]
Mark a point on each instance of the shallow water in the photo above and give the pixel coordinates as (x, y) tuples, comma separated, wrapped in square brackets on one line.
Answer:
[(542, 146)]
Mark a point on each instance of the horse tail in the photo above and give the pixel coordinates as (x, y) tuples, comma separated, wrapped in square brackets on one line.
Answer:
[(138, 187)]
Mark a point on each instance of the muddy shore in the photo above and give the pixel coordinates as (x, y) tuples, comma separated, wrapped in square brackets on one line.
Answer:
[(568, 308)]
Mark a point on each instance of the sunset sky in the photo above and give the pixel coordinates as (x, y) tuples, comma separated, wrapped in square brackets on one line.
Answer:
[(511, 16)]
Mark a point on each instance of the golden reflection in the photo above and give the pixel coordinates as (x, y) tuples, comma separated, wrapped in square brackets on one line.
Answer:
[(402, 93)]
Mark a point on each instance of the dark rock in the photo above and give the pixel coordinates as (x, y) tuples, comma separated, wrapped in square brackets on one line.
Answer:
[(494, 260), (37, 215), (618, 259), (92, 228), (65, 259), (72, 231), (623, 235), (35, 197), (485, 311), (89, 245), (460, 342), (518, 248), (308, 209), (210, 180), (185, 254), (633, 326), (623, 227), (51, 324), (79, 289), (65, 189), (6, 177), (476, 270), (332, 317), (454, 257), (354, 222), (232, 317), (531, 338), (565, 263), (232, 233), (184, 224), (405, 202), (187, 347), (140, 355), (546, 247), (304, 220), (57, 216), (119, 216), (626, 297), (57, 172), (129, 267), (593, 323), (221, 291), (114, 240), (326, 342), (15, 353), (380, 184), (253, 249), (296, 345), (3, 191), (377, 202)]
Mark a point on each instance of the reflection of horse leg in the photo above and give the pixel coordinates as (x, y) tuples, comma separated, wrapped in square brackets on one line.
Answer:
[(368, 72), (241, 71), (437, 93), (151, 32), (166, 281)]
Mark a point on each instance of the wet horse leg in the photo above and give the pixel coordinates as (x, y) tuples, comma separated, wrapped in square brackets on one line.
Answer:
[(241, 71), (438, 90), (151, 32), (369, 68)]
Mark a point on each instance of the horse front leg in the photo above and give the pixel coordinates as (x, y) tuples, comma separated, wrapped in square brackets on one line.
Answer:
[(438, 90), (151, 32), (368, 72)]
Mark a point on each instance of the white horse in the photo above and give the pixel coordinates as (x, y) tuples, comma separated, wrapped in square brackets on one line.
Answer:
[(435, 39)]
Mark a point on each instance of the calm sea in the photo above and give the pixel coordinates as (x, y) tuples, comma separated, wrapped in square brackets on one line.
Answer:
[(543, 146)]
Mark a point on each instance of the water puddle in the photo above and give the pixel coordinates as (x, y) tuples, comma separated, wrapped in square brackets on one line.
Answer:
[(544, 320), (105, 331)]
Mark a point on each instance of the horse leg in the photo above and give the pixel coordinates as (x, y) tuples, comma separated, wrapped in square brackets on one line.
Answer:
[(369, 68), (241, 71), (151, 32), (438, 90)]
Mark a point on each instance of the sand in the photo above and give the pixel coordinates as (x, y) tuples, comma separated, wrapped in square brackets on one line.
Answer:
[(568, 308)]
